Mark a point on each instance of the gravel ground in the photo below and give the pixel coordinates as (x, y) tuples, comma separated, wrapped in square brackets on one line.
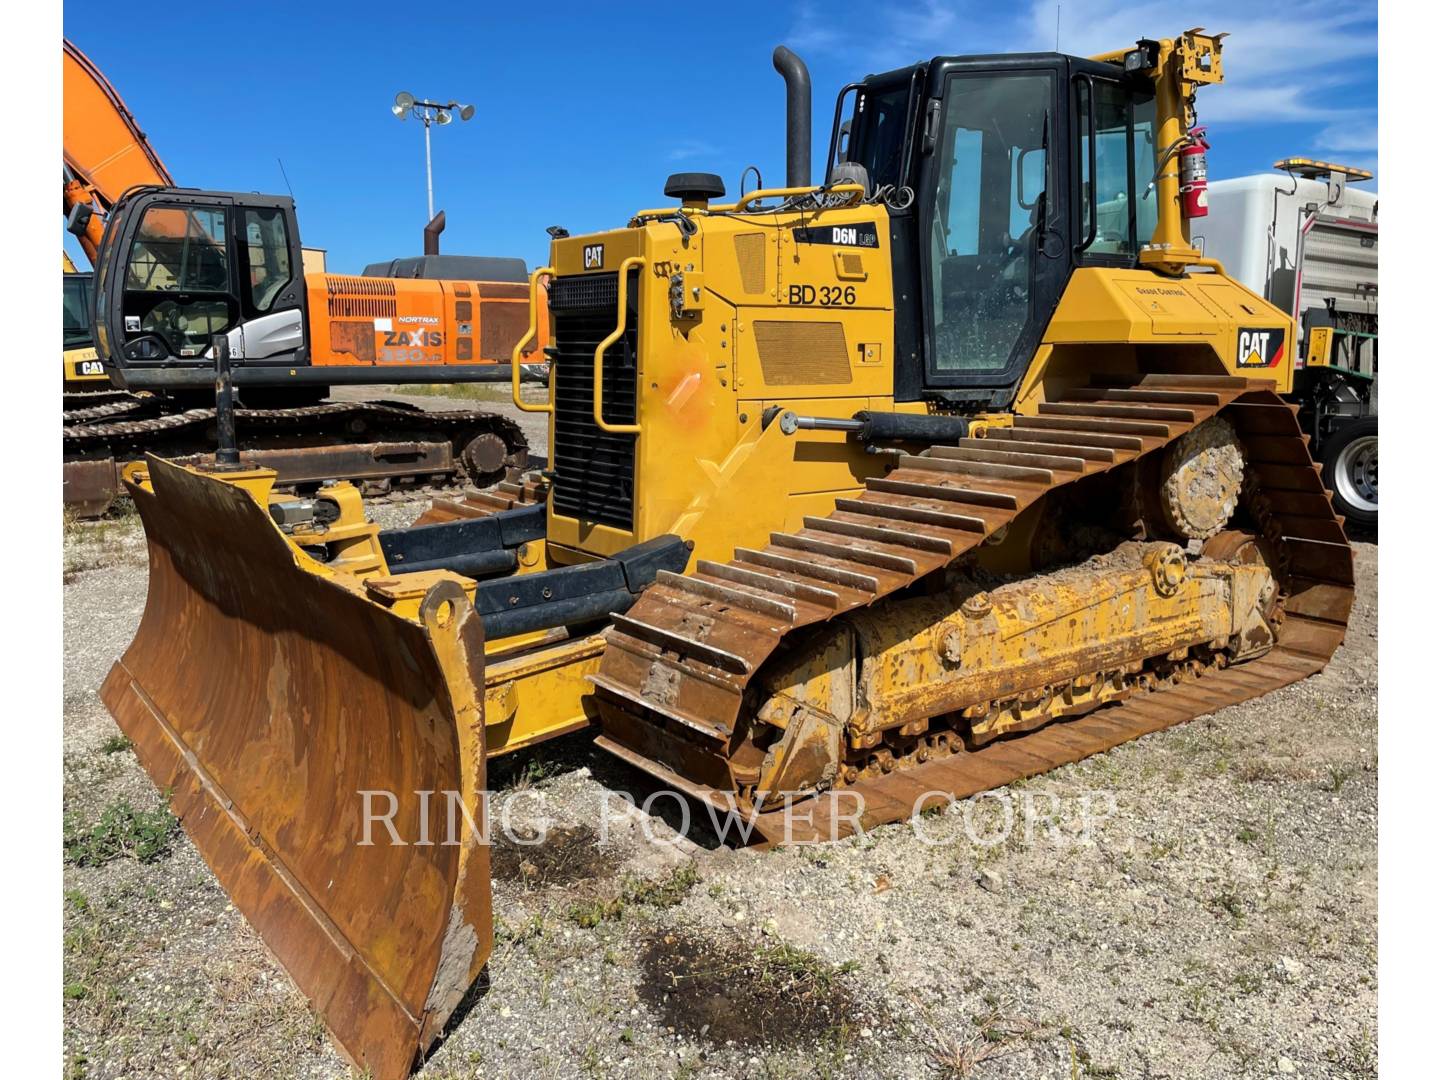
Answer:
[(1200, 903)]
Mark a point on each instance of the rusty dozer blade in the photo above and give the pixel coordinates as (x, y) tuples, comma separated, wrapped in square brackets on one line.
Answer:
[(267, 697)]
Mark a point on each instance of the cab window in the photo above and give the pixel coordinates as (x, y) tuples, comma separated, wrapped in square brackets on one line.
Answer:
[(880, 142), (179, 250), (267, 250), (177, 279), (988, 203), (1125, 207), (77, 310)]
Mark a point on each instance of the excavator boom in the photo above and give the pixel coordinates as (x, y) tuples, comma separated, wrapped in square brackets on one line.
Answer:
[(105, 151)]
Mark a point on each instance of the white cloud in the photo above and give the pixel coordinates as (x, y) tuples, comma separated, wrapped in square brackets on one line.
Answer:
[(692, 148), (1349, 137), (1299, 62), (897, 34), (1287, 64)]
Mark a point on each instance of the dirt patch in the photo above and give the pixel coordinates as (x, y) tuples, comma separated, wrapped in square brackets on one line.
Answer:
[(725, 990), (567, 855)]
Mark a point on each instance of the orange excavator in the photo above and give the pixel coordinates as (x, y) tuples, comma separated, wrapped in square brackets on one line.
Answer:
[(178, 269)]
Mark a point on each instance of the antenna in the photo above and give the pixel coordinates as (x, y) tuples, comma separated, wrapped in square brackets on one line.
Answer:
[(287, 177), (1057, 25)]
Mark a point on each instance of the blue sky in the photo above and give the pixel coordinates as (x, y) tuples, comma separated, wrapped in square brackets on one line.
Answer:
[(583, 109)]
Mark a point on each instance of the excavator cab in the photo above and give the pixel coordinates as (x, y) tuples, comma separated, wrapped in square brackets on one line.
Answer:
[(1005, 174), (179, 267)]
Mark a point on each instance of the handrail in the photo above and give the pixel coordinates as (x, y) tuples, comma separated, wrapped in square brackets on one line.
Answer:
[(621, 296), (515, 361), (787, 192), (754, 196)]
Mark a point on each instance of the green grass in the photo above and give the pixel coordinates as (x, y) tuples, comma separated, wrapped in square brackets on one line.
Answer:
[(664, 893), (1229, 902), (786, 969), (495, 392), (121, 831), (116, 744), (99, 952)]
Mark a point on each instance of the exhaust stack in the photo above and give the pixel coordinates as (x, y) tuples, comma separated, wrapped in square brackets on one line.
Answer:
[(432, 233), (797, 116)]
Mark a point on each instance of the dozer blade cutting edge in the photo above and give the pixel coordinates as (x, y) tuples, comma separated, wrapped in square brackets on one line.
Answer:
[(266, 697)]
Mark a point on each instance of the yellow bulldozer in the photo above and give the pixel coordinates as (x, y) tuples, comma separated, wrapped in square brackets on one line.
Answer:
[(862, 496)]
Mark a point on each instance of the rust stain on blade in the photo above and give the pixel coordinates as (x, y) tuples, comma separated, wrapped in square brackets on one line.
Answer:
[(266, 698)]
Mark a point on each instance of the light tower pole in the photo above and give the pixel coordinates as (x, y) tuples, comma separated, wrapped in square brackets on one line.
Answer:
[(429, 112)]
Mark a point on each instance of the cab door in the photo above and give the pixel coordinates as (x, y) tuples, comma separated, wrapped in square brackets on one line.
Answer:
[(994, 224), (174, 276)]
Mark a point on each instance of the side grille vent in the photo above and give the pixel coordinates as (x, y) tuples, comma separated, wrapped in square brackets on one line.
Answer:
[(750, 254), (358, 286), (594, 471), (802, 353), (359, 298)]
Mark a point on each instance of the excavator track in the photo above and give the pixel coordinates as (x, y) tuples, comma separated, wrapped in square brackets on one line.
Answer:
[(673, 681), (380, 441), (82, 404)]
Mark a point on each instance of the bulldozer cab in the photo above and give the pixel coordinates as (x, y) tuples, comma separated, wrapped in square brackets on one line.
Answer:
[(77, 310), (1005, 173), (82, 369), (177, 267)]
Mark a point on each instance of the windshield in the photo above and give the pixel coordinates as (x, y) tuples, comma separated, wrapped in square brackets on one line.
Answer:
[(989, 199), (77, 310)]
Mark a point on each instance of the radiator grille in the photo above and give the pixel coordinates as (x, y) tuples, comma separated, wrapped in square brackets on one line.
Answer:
[(359, 298), (594, 471), (802, 353), (750, 254)]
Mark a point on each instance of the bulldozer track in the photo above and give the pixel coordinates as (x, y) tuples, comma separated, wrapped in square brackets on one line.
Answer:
[(674, 677)]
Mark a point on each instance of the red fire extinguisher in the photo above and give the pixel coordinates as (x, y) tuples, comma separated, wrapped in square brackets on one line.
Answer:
[(1194, 185)]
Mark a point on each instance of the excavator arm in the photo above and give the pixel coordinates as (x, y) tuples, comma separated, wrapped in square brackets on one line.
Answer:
[(105, 150)]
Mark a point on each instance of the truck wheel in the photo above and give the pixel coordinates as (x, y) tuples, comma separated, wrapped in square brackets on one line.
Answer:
[(1351, 469)]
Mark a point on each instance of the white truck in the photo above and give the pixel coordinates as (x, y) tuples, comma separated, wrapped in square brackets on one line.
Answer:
[(1308, 241)]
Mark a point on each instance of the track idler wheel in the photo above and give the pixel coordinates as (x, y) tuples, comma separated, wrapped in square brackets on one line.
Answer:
[(488, 459), (1201, 476)]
